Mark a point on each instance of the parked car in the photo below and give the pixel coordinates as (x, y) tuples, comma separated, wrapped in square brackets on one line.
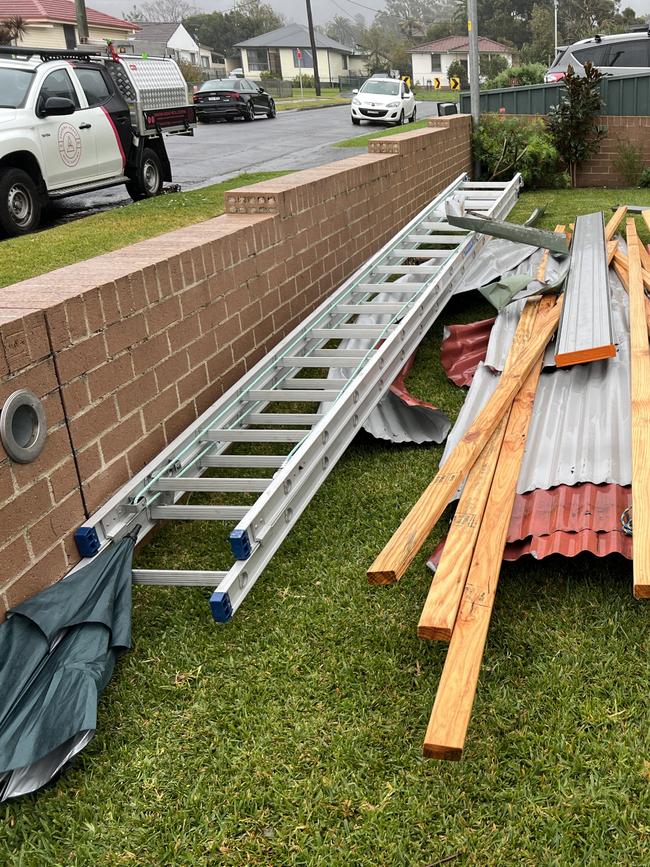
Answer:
[(230, 98), (387, 100), (622, 54)]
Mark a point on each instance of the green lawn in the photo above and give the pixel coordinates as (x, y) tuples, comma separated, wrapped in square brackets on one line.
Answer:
[(293, 735), (436, 95), (100, 233), (359, 141)]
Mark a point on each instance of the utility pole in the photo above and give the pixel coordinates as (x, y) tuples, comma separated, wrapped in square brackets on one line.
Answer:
[(555, 16), (474, 82), (82, 23), (312, 40)]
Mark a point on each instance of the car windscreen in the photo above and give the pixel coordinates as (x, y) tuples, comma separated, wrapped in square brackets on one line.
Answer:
[(384, 88), (14, 86), (224, 84), (594, 54)]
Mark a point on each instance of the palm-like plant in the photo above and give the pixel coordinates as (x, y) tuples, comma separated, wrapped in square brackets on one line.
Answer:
[(12, 29)]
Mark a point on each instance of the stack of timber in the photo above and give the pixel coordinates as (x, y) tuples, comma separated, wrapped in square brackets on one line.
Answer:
[(488, 458)]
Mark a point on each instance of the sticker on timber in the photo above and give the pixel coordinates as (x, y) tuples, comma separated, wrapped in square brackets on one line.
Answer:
[(69, 142), (436, 84), (454, 82)]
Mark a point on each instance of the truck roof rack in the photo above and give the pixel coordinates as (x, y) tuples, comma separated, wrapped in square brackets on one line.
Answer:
[(46, 53)]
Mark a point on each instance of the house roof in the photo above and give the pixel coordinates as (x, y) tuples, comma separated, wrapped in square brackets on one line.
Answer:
[(59, 10), (293, 36), (461, 43), (161, 32)]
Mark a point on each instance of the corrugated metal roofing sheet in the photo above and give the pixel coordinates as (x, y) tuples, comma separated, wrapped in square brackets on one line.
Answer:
[(464, 348), (580, 427)]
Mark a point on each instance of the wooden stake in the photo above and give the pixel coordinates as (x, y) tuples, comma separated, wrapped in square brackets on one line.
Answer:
[(614, 222), (443, 600), (640, 389), (447, 729), (409, 537), (620, 266)]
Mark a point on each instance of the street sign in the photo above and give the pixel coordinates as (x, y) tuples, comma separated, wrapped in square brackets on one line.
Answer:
[(436, 83), (299, 54), (454, 83)]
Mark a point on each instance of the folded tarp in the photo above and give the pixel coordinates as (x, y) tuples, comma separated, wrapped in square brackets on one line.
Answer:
[(57, 653)]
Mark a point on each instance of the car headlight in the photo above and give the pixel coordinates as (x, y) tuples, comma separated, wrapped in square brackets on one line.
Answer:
[(356, 101), (392, 105)]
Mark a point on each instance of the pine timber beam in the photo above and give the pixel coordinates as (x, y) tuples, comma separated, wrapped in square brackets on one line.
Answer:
[(443, 600), (447, 729), (640, 391), (614, 222), (397, 555), (621, 267)]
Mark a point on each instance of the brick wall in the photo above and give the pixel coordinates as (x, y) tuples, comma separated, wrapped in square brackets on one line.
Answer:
[(128, 348), (600, 171)]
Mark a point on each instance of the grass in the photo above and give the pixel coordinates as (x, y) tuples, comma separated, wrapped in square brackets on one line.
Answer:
[(301, 105), (436, 95), (44, 251), (359, 141), (292, 736)]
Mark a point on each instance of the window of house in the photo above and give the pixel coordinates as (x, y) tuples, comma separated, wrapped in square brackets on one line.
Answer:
[(345, 61), (436, 65), (307, 61), (258, 59), (93, 85)]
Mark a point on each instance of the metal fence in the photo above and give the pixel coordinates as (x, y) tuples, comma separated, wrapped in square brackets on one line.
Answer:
[(348, 83), (276, 87), (623, 95)]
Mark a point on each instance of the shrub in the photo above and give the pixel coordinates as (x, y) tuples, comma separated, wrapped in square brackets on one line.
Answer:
[(493, 66), (629, 163), (518, 76), (307, 80), (267, 75), (574, 122), (644, 180), (507, 145)]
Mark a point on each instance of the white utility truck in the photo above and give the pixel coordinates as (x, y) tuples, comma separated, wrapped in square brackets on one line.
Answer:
[(72, 121)]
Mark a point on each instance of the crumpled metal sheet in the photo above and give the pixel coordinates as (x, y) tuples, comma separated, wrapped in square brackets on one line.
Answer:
[(497, 258), (580, 426), (565, 520), (463, 348)]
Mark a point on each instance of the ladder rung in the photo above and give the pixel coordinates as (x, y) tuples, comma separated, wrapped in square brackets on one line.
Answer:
[(406, 269), (198, 513), (248, 435), (389, 287), (315, 383), (243, 461), (434, 239), (178, 577), (443, 227), (341, 358), (192, 483), (422, 254), (371, 307), (293, 394), (498, 186), (478, 193), (345, 332), (274, 418)]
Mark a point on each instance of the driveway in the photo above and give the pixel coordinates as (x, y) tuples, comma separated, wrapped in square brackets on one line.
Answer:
[(218, 151)]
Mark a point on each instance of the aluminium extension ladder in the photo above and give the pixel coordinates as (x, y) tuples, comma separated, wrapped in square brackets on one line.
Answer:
[(427, 250)]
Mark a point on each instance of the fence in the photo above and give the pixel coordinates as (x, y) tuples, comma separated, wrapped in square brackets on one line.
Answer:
[(348, 83), (624, 95)]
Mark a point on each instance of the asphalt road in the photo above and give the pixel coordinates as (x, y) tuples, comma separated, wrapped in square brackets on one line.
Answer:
[(218, 151)]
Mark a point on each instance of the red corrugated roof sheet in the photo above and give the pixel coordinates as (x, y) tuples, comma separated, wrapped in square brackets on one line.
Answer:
[(461, 43), (463, 348), (568, 521), (58, 10)]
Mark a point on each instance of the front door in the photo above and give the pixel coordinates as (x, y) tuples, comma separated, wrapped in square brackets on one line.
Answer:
[(67, 143)]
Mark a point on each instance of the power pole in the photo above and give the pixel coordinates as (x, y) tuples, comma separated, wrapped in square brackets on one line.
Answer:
[(474, 81), (82, 22), (312, 40)]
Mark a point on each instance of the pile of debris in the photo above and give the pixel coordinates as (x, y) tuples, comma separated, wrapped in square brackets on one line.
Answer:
[(507, 456)]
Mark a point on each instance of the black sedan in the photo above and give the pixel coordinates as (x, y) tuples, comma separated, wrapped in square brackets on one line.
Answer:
[(231, 98)]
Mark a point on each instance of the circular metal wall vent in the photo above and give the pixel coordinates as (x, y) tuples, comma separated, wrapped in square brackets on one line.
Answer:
[(23, 426)]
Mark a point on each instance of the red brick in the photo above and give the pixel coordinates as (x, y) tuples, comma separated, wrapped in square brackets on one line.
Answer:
[(192, 384), (171, 370), (136, 393), (25, 509), (125, 334), (64, 480), (81, 357), (59, 522), (89, 461), (93, 423), (163, 314), (146, 449), (179, 421), (15, 557), (118, 440), (47, 571), (102, 486), (160, 408), (150, 353)]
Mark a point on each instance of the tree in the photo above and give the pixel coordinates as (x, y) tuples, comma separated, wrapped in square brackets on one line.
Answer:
[(459, 70), (376, 47), (410, 19), (440, 29), (492, 65), (574, 122), (11, 30), (161, 10), (541, 48), (223, 30), (343, 30)]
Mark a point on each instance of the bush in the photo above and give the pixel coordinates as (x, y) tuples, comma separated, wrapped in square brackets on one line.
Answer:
[(629, 163), (267, 75), (307, 80), (644, 180), (458, 70), (507, 145), (493, 66), (518, 76)]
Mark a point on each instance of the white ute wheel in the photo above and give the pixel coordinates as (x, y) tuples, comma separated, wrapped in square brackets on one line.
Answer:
[(20, 203), (149, 181)]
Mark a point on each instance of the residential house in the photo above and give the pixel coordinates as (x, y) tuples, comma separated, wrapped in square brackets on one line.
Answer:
[(286, 52), (53, 23), (433, 59), (174, 40)]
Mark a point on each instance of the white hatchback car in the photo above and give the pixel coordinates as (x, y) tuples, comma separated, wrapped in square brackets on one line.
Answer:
[(387, 100)]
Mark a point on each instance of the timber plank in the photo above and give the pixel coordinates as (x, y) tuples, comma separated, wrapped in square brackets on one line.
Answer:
[(614, 222), (443, 600), (393, 561), (620, 266), (640, 389), (447, 729)]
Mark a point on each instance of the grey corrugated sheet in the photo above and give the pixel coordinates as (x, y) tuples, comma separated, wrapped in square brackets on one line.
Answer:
[(580, 427), (586, 321)]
